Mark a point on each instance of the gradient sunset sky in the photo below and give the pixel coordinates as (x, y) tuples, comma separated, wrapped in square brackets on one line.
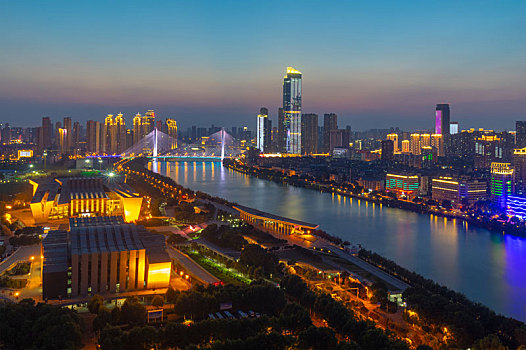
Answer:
[(376, 64)]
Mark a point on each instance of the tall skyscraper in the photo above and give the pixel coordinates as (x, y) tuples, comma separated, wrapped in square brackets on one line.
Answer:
[(93, 136), (69, 134), (262, 130), (137, 128), (75, 140), (292, 110), (442, 127), (108, 136), (120, 134), (171, 126), (330, 122), (442, 119), (520, 135), (282, 132), (309, 133), (44, 135), (519, 165), (453, 128), (148, 122)]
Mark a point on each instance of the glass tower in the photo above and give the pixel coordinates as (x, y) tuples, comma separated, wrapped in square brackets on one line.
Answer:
[(292, 111)]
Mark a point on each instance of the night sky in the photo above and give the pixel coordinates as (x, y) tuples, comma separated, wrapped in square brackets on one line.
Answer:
[(376, 64)]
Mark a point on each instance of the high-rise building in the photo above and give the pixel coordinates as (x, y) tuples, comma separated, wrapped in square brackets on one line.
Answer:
[(387, 150), (309, 133), (292, 110), (93, 136), (406, 146), (394, 137), (453, 128), (282, 132), (339, 138), (45, 132), (171, 128), (108, 136), (437, 142), (56, 142), (519, 165), (137, 128), (69, 134), (262, 130), (501, 183), (119, 127), (148, 122), (415, 147), (76, 136), (330, 122), (62, 140), (442, 118), (520, 134)]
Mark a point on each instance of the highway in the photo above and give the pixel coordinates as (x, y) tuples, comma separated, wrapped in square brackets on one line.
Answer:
[(194, 269)]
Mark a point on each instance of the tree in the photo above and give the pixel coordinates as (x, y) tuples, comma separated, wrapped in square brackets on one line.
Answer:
[(158, 301), (490, 342), (171, 295), (103, 318), (317, 338), (95, 303), (133, 312), (294, 318)]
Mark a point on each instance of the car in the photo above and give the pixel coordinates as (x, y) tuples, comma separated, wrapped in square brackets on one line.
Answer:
[(251, 313), (219, 316), (228, 314), (211, 316)]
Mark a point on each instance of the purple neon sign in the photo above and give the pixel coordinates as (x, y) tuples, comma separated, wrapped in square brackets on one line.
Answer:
[(438, 122)]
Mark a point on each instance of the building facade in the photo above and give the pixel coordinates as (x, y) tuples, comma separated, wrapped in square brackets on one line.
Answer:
[(458, 191), (501, 183), (309, 133), (405, 185)]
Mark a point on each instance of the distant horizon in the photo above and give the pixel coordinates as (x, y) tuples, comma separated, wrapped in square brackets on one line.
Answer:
[(376, 65)]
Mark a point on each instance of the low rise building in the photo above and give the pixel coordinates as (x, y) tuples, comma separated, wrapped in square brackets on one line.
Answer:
[(83, 197), (404, 185), (103, 255), (458, 191)]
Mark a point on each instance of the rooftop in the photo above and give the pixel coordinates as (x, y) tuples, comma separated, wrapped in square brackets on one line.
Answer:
[(262, 214)]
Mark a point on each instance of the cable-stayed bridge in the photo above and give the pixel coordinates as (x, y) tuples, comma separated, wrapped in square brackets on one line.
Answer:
[(159, 145)]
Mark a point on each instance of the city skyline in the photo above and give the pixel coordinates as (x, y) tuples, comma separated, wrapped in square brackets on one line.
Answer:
[(372, 65)]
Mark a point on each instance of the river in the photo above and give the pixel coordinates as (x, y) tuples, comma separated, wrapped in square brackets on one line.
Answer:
[(487, 267)]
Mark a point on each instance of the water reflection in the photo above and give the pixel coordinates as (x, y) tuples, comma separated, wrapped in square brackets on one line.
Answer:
[(487, 267)]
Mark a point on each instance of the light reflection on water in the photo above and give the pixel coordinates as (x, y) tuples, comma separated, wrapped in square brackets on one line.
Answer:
[(487, 267)]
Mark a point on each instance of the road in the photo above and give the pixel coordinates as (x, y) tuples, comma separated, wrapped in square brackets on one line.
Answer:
[(192, 267), (23, 253)]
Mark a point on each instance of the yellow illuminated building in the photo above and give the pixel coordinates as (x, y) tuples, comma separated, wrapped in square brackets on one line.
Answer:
[(394, 137), (83, 197), (103, 256), (172, 131)]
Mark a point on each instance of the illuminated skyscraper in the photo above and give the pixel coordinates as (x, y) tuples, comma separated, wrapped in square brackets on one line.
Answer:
[(437, 142), (442, 118), (120, 134), (171, 126), (137, 129), (292, 110), (148, 122), (262, 130), (501, 183), (415, 144), (108, 141), (394, 138), (405, 146), (519, 165), (69, 133)]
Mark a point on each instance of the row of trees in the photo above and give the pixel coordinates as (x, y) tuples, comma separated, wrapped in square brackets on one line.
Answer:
[(438, 306), (42, 326), (361, 334)]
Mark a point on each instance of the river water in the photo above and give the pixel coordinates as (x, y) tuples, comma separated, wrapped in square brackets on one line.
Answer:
[(487, 267)]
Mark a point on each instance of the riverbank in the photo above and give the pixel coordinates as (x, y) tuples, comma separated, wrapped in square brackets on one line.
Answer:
[(491, 224)]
